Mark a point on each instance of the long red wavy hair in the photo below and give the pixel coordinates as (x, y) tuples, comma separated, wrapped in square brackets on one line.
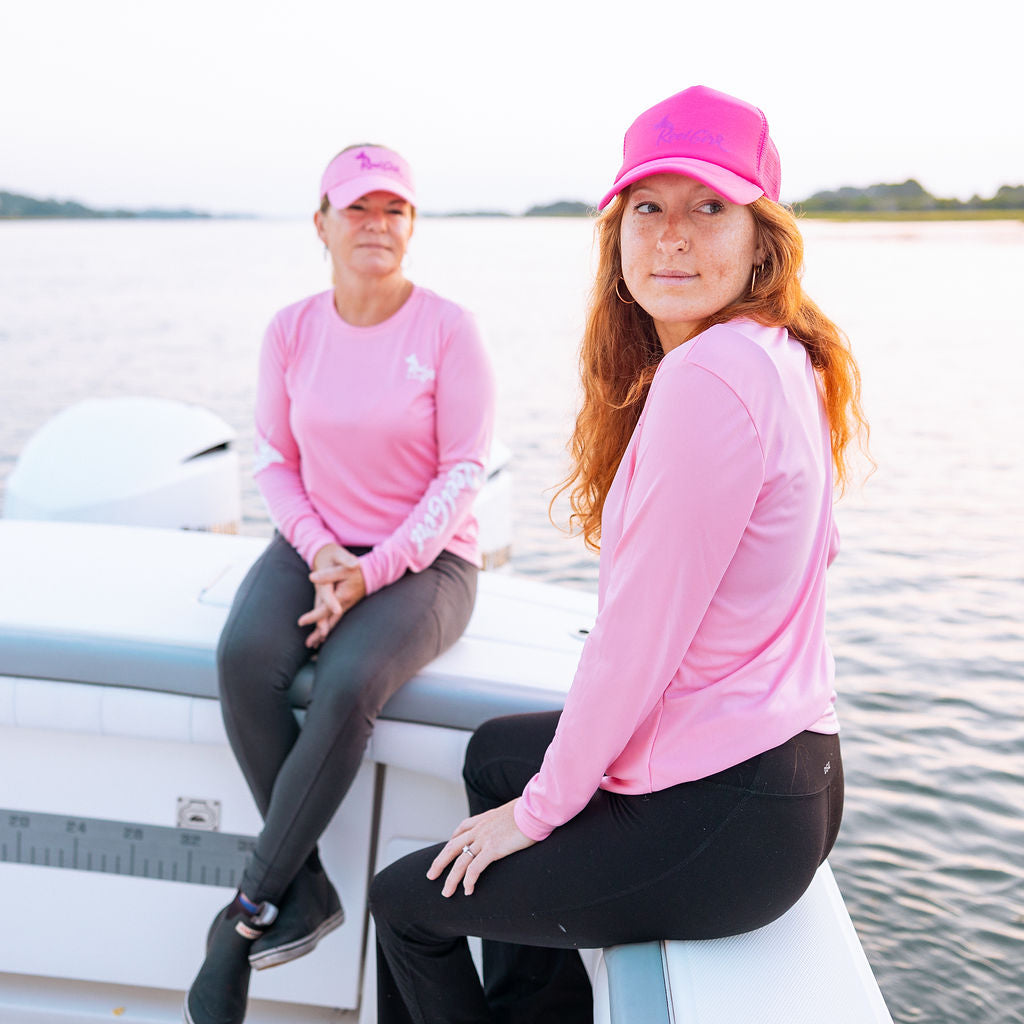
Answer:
[(620, 353)]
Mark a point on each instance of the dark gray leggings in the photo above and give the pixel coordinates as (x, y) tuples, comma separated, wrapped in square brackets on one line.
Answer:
[(298, 777)]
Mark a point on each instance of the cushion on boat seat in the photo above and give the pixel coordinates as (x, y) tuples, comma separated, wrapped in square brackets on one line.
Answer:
[(144, 609), (637, 989), (431, 698)]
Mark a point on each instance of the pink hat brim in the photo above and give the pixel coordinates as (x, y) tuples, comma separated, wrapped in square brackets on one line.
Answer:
[(348, 192), (727, 184)]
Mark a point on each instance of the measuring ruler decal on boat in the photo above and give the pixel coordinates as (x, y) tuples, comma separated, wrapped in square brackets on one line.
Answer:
[(123, 848)]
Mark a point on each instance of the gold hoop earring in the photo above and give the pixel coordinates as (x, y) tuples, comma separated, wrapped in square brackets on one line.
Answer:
[(753, 277), (628, 302)]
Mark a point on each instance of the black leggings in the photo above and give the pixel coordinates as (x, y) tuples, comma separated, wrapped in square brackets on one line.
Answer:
[(703, 859), (298, 777)]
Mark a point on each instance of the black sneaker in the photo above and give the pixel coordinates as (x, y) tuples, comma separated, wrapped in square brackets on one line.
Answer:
[(309, 911), (220, 992)]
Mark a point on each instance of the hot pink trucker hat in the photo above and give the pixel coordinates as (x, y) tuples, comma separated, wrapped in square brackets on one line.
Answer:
[(706, 135), (362, 169)]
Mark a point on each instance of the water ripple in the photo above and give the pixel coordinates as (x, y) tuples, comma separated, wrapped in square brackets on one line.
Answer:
[(925, 598)]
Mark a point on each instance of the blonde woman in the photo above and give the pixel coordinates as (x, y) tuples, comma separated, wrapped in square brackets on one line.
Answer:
[(373, 422)]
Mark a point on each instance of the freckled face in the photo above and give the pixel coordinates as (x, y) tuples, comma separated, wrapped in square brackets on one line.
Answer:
[(686, 252), (370, 236)]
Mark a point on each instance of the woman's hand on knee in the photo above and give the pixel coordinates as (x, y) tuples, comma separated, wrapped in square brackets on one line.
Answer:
[(476, 843)]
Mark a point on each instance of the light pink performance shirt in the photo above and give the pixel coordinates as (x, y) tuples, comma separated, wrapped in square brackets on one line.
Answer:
[(375, 435), (709, 645)]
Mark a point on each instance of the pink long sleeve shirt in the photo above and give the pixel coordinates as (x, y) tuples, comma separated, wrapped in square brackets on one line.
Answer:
[(709, 645), (375, 436)]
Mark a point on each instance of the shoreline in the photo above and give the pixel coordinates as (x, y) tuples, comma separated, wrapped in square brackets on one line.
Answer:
[(830, 215), (909, 215)]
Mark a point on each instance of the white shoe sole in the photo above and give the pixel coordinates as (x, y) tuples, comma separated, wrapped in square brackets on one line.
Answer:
[(300, 947)]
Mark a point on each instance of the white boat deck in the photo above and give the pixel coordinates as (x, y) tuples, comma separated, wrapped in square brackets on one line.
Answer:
[(59, 1001), (108, 717)]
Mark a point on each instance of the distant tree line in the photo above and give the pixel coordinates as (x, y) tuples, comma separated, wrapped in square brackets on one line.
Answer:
[(563, 208), (14, 205), (908, 196)]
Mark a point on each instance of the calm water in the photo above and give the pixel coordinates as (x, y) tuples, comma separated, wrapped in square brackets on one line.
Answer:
[(926, 598)]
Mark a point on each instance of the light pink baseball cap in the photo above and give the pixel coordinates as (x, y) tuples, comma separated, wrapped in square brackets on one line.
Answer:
[(706, 135), (355, 172)]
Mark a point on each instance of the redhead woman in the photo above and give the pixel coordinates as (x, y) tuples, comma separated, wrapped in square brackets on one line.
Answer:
[(693, 783), (374, 410)]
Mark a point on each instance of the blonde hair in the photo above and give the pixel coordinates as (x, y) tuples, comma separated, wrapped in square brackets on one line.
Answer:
[(620, 353)]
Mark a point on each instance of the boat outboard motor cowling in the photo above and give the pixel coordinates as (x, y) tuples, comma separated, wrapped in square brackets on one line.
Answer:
[(135, 461)]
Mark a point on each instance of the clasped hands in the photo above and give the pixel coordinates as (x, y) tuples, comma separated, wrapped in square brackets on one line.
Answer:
[(476, 841), (338, 585)]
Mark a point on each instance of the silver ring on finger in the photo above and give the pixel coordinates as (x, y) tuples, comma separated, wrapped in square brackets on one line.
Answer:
[(466, 849)]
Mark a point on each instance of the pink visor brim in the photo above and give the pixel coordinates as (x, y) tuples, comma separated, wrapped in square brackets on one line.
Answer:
[(347, 192)]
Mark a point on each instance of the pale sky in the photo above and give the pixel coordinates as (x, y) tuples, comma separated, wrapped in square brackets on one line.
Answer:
[(232, 106)]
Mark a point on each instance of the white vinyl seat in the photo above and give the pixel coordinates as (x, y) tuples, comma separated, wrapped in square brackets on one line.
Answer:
[(805, 968)]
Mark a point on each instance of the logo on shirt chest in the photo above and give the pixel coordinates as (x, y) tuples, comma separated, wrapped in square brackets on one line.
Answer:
[(416, 371)]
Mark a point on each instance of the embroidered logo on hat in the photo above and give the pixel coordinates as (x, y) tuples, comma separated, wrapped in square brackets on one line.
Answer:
[(668, 134), (381, 165)]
